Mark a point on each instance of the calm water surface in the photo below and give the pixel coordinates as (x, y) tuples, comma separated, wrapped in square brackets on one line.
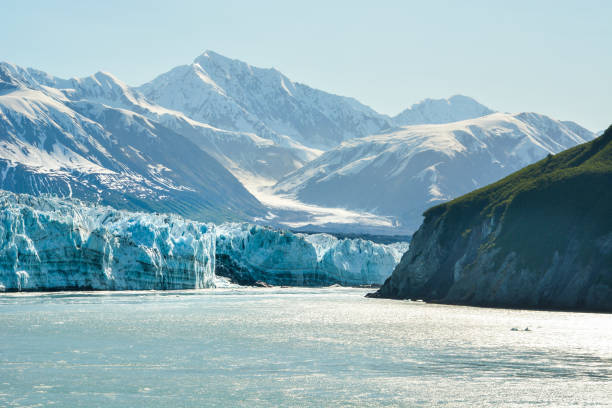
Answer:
[(293, 347)]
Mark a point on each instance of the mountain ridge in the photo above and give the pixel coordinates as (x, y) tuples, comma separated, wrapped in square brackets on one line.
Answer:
[(50, 144), (424, 164), (273, 128), (539, 238), (252, 102)]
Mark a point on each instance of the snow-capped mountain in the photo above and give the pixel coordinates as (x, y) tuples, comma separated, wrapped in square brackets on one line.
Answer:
[(252, 120), (246, 155), (271, 125), (85, 149), (406, 171), (166, 146), (234, 95), (436, 111)]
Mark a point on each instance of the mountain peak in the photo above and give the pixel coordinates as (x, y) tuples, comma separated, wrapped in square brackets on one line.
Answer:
[(211, 54), (456, 108), (106, 75), (459, 98), (107, 79), (14, 76), (209, 57)]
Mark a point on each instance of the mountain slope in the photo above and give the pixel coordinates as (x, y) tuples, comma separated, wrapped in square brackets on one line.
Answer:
[(49, 144), (246, 155), (233, 95), (437, 111), (262, 128), (402, 173), (254, 121), (539, 238)]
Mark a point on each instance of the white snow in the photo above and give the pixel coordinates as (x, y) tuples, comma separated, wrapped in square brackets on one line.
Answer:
[(303, 214), (401, 173), (453, 109)]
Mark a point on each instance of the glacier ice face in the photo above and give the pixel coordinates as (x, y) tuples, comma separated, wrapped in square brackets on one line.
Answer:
[(249, 253), (355, 261), (52, 244), (48, 243)]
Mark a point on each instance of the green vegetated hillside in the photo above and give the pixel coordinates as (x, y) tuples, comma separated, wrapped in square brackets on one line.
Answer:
[(541, 237)]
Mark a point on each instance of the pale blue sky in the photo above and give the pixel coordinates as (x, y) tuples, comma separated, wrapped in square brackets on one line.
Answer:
[(552, 57)]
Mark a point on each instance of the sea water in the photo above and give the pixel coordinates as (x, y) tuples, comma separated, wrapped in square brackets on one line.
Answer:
[(294, 347)]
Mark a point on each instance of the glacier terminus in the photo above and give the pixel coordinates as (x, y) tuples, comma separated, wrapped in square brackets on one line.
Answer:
[(49, 243)]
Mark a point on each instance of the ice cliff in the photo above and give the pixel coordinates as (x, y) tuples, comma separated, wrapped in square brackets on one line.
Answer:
[(48, 243), (248, 253)]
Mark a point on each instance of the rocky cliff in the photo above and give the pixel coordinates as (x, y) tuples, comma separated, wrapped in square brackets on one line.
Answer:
[(539, 238)]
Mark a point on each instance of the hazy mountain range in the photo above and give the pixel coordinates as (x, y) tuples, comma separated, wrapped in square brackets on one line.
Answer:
[(219, 139)]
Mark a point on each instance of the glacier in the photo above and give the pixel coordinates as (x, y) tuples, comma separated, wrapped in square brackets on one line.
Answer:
[(248, 253), (51, 243)]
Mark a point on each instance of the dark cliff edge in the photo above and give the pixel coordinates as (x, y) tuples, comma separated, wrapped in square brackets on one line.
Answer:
[(540, 238)]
